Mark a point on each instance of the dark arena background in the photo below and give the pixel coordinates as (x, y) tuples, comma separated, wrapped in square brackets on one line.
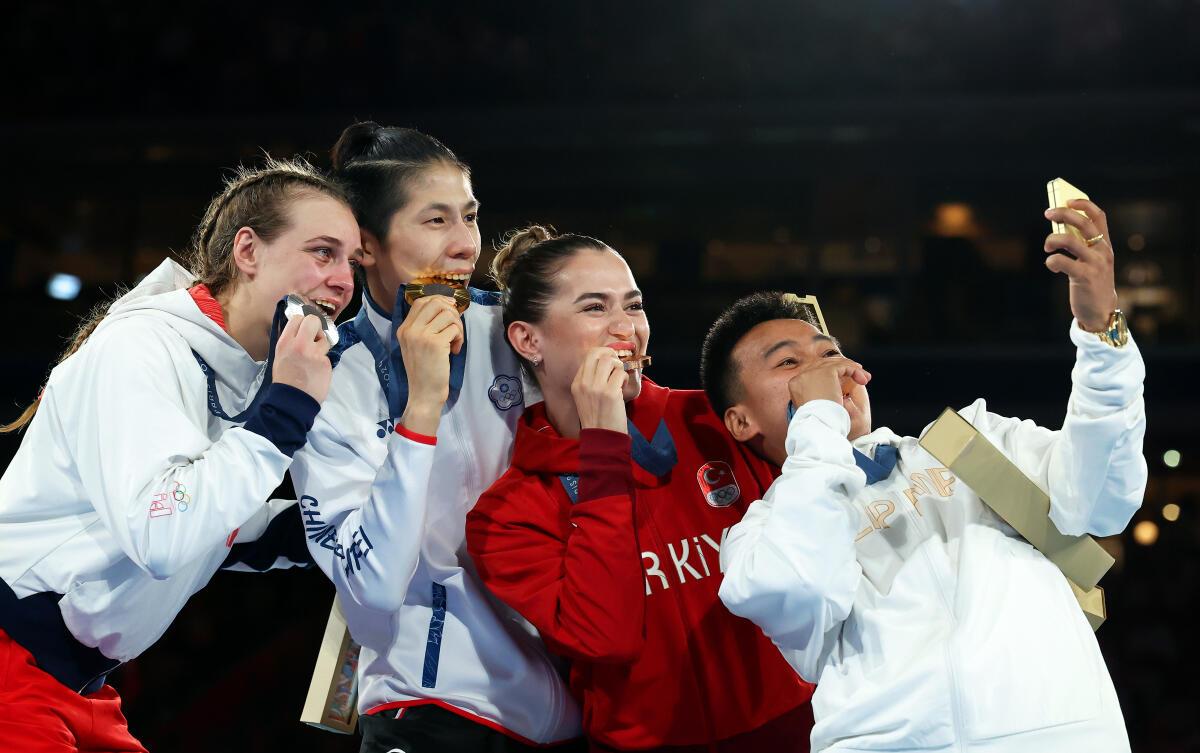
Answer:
[(889, 157)]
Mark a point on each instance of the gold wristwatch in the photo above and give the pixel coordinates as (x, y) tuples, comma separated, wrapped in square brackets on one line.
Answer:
[(1116, 332)]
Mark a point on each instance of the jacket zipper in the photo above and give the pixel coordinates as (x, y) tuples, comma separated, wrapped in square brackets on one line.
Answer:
[(955, 705)]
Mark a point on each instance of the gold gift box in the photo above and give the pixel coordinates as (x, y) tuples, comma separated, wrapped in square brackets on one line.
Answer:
[(1022, 504), (332, 701)]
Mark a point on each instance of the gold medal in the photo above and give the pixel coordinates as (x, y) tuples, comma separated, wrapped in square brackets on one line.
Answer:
[(436, 285), (635, 363)]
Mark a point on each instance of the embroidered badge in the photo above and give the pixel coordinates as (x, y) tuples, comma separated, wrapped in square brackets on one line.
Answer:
[(165, 503), (160, 505), (717, 483), (505, 392)]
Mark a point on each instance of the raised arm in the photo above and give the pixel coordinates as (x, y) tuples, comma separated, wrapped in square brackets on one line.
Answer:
[(574, 573), (166, 491), (1093, 468), (365, 513), (364, 516)]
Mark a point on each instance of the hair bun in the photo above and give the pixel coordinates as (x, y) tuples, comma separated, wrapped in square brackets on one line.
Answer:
[(357, 141), (516, 244)]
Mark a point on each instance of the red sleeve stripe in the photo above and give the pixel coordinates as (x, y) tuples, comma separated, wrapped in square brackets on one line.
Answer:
[(414, 436)]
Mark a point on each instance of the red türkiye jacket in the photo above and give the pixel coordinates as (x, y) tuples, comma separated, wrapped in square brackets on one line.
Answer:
[(623, 581)]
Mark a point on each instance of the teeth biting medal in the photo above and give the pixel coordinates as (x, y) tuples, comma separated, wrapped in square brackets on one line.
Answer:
[(633, 363), (297, 305), (436, 283)]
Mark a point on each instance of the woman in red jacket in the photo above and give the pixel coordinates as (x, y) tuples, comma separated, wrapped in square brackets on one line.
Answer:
[(606, 531)]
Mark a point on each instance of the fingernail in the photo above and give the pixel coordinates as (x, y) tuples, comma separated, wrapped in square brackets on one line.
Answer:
[(1048, 212)]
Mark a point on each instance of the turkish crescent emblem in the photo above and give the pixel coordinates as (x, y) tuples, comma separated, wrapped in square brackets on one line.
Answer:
[(718, 484)]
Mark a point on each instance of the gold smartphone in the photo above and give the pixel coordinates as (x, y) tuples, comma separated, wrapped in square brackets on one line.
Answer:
[(1060, 192)]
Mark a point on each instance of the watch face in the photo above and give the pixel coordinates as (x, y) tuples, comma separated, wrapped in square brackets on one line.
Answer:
[(1116, 333), (1120, 328)]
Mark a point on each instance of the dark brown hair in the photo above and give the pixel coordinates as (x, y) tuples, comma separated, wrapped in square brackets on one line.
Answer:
[(720, 376), (377, 164), (524, 268)]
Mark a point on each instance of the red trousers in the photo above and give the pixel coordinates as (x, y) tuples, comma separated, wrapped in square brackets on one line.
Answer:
[(38, 714)]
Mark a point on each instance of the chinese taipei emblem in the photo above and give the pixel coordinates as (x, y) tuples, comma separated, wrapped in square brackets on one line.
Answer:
[(717, 483), (505, 392)]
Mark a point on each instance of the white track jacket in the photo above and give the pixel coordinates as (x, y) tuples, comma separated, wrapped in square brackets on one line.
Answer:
[(128, 492), (927, 622), (385, 513)]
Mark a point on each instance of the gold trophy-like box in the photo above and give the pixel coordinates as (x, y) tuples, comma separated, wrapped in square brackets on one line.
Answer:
[(332, 701), (1022, 504)]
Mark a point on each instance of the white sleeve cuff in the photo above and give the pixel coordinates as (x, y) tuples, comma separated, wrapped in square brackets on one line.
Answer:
[(1105, 378)]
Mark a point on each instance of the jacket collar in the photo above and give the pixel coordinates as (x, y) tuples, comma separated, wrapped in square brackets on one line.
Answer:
[(540, 449), (376, 328)]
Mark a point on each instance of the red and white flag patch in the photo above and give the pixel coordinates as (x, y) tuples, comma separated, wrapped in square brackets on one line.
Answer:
[(717, 483)]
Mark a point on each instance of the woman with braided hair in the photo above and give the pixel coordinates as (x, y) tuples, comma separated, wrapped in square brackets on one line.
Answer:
[(155, 443)]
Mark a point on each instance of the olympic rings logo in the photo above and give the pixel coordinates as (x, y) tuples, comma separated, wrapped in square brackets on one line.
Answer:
[(182, 499)]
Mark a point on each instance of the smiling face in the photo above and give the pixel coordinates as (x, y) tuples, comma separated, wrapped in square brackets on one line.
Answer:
[(764, 361), (596, 303), (313, 257), (435, 234)]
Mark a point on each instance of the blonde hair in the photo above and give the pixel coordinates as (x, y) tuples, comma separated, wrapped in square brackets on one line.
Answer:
[(257, 198)]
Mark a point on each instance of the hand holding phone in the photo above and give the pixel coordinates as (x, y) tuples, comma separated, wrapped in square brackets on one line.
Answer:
[(1080, 249), (1061, 193)]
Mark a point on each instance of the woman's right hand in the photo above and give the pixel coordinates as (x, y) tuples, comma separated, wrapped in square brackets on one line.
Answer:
[(300, 357), (432, 331), (597, 390)]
